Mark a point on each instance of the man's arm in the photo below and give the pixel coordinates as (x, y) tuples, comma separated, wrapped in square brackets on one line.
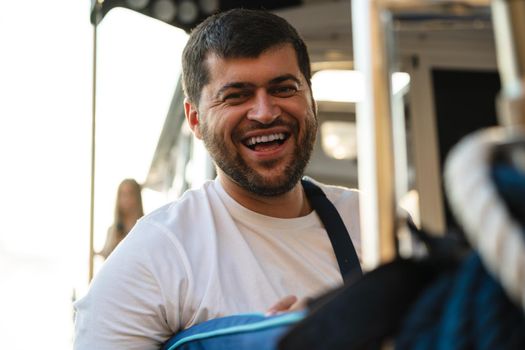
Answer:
[(133, 301)]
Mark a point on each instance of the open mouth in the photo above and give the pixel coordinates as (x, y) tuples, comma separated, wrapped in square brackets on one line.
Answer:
[(260, 143)]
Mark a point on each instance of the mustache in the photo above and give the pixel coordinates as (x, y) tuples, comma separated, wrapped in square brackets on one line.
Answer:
[(252, 125)]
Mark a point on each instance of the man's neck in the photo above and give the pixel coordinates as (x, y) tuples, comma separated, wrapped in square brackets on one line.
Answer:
[(289, 205)]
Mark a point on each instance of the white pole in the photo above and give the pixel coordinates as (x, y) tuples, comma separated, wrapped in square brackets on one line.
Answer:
[(374, 135)]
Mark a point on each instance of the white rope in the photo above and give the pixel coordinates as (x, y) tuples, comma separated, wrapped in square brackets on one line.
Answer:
[(478, 207)]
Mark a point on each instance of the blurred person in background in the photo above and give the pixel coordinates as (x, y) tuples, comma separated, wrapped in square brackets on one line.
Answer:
[(128, 209)]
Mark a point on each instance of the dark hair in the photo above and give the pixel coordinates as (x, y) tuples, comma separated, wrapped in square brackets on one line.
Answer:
[(236, 33), (136, 189)]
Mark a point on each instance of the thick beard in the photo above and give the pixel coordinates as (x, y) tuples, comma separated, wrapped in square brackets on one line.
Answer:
[(236, 168)]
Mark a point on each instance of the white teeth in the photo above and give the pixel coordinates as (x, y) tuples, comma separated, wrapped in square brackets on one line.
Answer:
[(265, 138)]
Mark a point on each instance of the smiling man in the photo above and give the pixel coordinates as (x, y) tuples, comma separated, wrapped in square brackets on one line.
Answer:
[(249, 240), (257, 119)]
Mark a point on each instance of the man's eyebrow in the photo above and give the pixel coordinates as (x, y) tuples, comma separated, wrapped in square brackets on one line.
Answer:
[(234, 85), (244, 85), (284, 78)]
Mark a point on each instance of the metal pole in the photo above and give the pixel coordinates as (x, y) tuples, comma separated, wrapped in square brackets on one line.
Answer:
[(374, 135), (97, 7)]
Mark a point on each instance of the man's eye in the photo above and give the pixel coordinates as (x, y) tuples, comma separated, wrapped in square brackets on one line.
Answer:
[(235, 97), (284, 91)]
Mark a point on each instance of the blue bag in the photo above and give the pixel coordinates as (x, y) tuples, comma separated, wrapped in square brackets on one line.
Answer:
[(239, 332)]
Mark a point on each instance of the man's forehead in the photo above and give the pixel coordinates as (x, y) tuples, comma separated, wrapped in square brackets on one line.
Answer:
[(276, 61)]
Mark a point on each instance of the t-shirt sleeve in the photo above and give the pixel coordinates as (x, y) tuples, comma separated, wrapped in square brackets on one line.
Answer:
[(135, 300)]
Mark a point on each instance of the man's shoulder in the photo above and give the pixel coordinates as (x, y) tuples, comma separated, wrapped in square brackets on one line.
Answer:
[(185, 202), (192, 203), (335, 192)]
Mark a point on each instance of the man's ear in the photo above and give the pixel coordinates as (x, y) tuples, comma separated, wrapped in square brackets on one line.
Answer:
[(192, 117)]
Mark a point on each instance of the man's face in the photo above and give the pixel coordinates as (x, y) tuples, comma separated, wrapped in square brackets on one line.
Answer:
[(257, 120)]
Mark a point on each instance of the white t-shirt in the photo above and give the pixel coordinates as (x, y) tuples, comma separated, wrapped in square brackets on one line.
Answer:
[(205, 256)]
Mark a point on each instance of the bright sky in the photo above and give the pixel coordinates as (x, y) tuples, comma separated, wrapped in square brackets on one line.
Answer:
[(45, 144)]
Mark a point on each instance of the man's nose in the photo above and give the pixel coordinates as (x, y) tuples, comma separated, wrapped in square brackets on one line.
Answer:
[(264, 109)]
